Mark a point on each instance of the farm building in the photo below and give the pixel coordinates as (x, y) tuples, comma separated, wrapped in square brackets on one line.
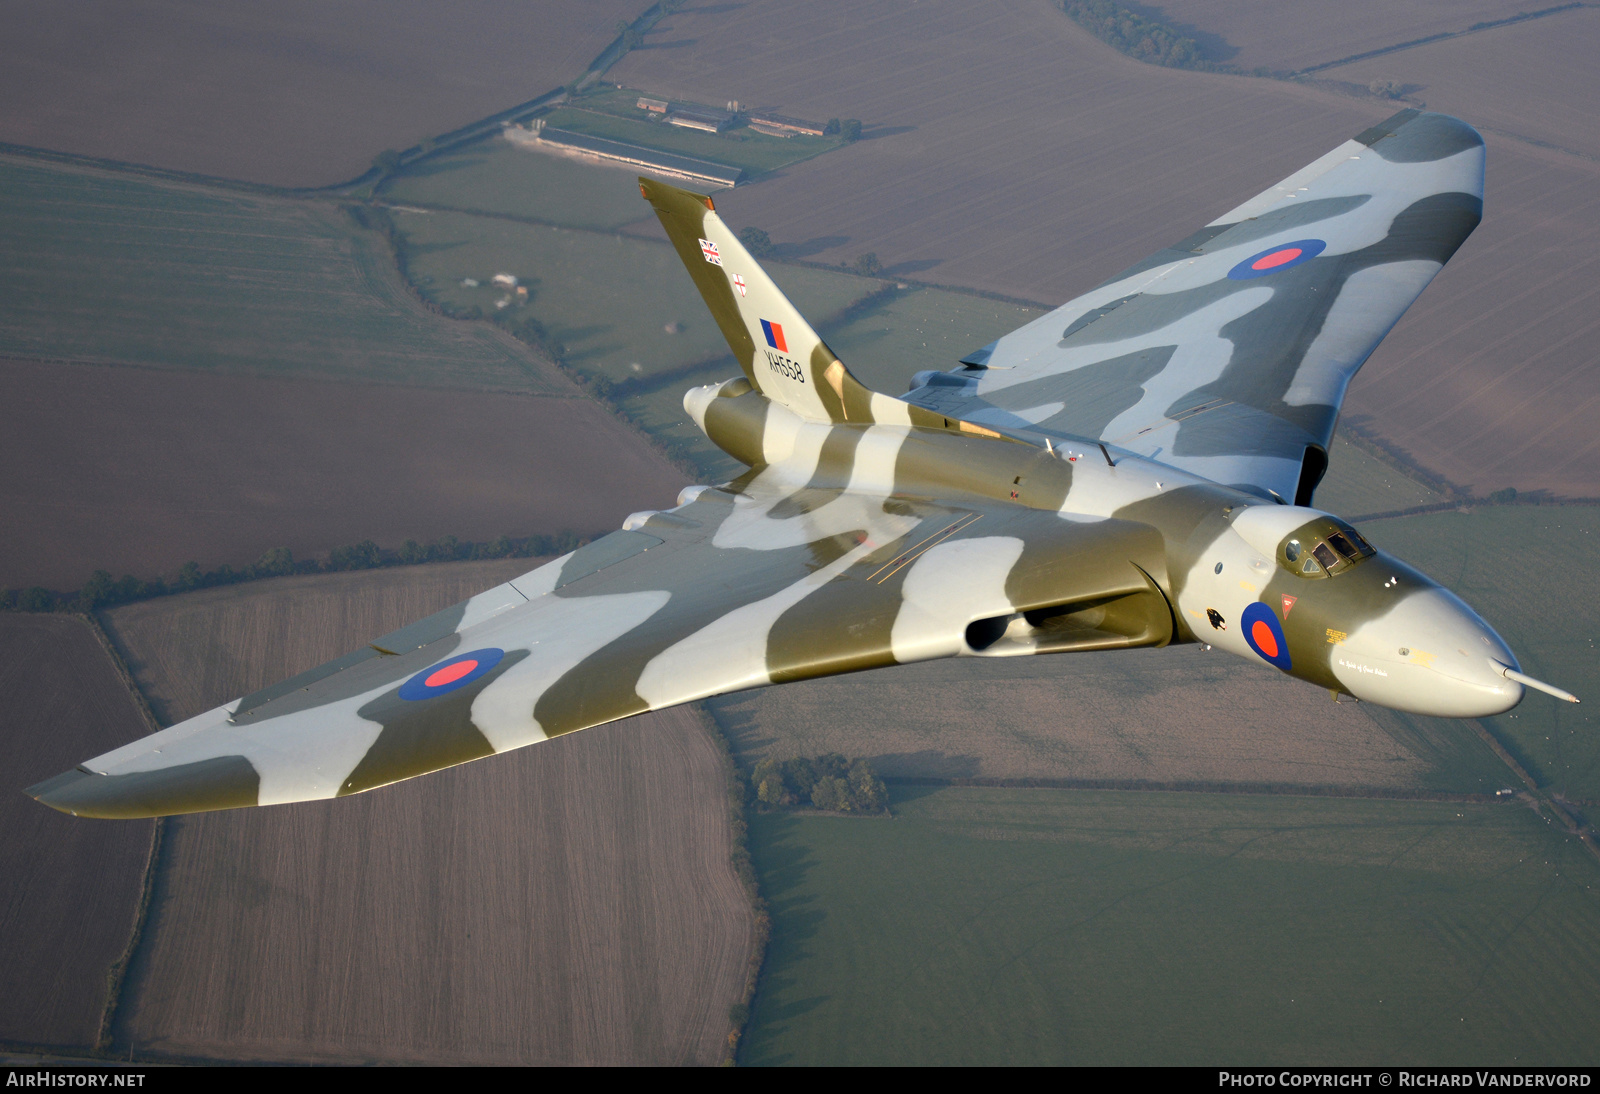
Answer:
[(782, 126), (662, 163), (655, 106), (712, 121)]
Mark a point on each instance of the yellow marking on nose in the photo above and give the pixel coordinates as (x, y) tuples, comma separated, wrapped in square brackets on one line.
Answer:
[(1336, 638), (1247, 587)]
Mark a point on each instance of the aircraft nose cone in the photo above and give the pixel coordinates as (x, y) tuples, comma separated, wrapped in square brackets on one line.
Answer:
[(1430, 654)]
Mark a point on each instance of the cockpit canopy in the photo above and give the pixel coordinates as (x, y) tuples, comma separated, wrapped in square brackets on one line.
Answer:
[(1323, 547)]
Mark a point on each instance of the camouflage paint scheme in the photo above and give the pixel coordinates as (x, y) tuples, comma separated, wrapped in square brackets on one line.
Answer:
[(1116, 473)]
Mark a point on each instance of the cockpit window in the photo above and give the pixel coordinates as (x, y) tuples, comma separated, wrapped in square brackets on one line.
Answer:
[(1291, 550), (1343, 546), (1325, 555), (1311, 567)]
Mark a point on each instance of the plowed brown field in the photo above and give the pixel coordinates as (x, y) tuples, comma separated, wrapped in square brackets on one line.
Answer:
[(71, 887), (137, 471), (301, 93), (1052, 161), (571, 903)]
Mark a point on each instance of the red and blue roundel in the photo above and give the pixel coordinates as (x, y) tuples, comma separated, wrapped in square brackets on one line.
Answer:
[(1281, 257), (446, 676), (1263, 634)]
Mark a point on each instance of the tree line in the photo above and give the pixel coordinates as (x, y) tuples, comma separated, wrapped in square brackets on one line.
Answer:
[(104, 591), (831, 782)]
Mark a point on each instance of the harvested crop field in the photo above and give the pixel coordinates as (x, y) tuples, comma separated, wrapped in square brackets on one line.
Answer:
[(72, 887), (1300, 33), (1489, 380), (108, 268), (1534, 80), (571, 903), (1056, 161), (139, 470), (299, 94)]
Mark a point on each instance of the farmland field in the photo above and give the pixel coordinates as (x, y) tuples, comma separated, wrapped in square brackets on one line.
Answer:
[(1306, 32), (997, 926), (71, 886), (495, 176), (141, 470), (565, 904), (1144, 717), (302, 94), (1055, 161), (1531, 80), (112, 269)]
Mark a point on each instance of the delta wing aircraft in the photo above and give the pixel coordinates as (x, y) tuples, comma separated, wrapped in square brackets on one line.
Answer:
[(1135, 468)]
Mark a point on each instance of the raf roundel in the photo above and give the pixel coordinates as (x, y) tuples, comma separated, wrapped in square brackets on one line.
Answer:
[(1263, 634), (1274, 259), (447, 676)]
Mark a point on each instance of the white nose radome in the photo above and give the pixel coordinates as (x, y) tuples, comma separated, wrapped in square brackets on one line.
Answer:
[(1430, 655)]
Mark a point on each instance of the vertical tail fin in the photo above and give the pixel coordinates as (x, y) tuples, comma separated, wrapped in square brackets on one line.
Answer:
[(781, 355)]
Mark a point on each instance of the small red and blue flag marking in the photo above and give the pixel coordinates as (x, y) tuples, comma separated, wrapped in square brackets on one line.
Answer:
[(447, 676), (1263, 634), (1281, 257), (774, 333)]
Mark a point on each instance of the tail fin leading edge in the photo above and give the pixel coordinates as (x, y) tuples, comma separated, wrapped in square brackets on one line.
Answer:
[(781, 355)]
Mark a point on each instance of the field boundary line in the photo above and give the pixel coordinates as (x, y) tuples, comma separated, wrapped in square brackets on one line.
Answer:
[(1574, 823), (117, 974), (1442, 36)]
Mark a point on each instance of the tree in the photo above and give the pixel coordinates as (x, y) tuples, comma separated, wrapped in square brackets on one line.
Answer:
[(867, 265), (832, 128), (850, 129), (826, 794), (387, 160), (756, 241)]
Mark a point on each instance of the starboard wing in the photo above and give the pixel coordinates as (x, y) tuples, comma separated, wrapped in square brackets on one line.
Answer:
[(1228, 354), (739, 587)]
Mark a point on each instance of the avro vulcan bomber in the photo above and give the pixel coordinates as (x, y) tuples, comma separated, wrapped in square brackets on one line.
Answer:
[(1136, 468)]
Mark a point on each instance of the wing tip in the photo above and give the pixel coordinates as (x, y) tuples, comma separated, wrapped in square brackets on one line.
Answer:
[(224, 782), (1416, 136)]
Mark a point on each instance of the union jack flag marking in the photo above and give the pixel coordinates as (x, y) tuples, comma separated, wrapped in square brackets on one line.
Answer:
[(738, 283), (709, 249)]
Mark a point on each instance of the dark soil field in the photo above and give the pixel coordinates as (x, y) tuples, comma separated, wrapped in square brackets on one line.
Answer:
[(139, 470), (569, 903), (302, 94), (1300, 33), (69, 888), (1054, 161)]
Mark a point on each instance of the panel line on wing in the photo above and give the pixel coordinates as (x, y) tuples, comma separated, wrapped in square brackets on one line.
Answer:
[(912, 553)]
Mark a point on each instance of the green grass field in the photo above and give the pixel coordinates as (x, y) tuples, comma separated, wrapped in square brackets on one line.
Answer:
[(1534, 573), (494, 176), (116, 269), (988, 926)]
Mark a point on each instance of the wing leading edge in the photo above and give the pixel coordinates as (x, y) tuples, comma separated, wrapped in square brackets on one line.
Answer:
[(1227, 355), (740, 587)]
